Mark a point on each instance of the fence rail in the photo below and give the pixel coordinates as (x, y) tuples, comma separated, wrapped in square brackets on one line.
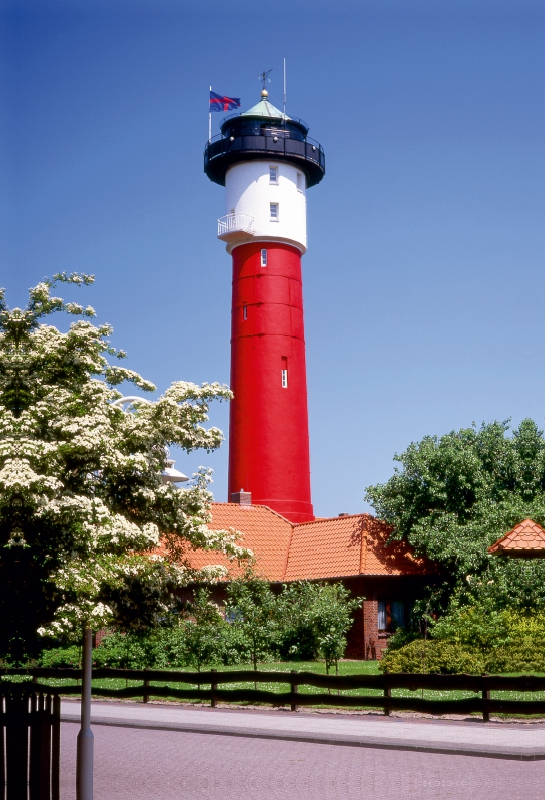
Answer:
[(480, 686)]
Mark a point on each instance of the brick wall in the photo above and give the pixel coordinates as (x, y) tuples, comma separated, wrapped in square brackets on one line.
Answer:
[(355, 639), (375, 642)]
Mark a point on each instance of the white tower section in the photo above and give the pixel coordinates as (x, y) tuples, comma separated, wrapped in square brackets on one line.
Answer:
[(265, 201)]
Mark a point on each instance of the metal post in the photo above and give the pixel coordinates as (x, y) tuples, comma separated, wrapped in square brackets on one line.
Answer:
[(84, 767), (209, 118), (284, 90)]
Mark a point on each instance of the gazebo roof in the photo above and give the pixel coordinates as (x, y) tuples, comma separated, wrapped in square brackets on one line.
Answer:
[(525, 539)]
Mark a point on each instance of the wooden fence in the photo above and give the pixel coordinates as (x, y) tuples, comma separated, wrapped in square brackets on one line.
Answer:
[(29, 742), (207, 686)]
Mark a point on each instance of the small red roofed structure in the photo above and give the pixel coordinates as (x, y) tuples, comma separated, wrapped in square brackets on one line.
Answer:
[(525, 540)]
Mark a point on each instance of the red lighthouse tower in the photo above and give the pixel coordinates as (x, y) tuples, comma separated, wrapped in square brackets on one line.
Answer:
[(266, 161)]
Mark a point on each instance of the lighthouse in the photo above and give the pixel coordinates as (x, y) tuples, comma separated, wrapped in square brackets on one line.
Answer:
[(267, 162)]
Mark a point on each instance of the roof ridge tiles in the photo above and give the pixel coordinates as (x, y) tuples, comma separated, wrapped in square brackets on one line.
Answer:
[(253, 506), (332, 519)]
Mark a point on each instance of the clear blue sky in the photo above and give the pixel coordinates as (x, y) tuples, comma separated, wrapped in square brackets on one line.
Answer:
[(424, 279)]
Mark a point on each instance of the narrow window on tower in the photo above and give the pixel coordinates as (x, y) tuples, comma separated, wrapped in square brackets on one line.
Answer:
[(263, 258), (273, 175), (274, 212), (244, 312), (300, 183), (284, 372)]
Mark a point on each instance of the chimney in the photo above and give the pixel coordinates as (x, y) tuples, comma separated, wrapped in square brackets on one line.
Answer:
[(344, 514), (242, 498)]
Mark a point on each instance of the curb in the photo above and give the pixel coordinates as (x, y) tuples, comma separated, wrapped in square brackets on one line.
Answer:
[(513, 754)]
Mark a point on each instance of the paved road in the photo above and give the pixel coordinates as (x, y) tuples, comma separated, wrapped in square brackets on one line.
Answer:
[(144, 764)]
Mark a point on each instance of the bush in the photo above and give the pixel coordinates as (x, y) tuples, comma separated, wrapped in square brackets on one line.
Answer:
[(523, 656), (305, 621), (128, 651), (61, 657), (313, 620), (433, 656)]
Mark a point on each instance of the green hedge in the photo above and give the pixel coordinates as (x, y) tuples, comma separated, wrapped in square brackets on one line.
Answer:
[(450, 658), (431, 656)]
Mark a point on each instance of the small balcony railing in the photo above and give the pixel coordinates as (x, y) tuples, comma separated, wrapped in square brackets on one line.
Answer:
[(235, 223)]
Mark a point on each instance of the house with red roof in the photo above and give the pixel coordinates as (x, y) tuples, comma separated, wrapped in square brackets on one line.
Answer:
[(352, 548)]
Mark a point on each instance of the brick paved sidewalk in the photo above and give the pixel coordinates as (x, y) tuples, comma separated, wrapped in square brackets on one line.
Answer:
[(144, 764), (506, 741)]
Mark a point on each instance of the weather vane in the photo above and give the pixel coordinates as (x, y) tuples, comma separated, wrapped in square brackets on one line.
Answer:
[(264, 77)]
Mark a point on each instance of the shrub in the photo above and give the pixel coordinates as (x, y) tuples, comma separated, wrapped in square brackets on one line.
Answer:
[(126, 651), (433, 656), (61, 657), (313, 620), (525, 655)]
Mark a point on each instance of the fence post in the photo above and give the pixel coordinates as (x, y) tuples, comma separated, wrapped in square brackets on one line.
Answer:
[(485, 694), (145, 696), (213, 688), (294, 688), (387, 694)]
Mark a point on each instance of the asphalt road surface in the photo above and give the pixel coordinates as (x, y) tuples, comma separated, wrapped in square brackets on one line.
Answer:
[(140, 764)]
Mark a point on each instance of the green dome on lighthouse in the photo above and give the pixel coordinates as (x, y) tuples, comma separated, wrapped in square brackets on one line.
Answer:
[(264, 109)]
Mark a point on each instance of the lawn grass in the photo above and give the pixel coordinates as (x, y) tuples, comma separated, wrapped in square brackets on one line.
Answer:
[(345, 668)]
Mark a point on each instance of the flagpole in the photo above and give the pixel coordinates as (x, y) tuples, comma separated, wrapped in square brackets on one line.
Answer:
[(284, 88), (209, 118)]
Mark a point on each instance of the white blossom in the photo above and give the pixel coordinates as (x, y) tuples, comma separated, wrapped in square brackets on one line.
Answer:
[(81, 477)]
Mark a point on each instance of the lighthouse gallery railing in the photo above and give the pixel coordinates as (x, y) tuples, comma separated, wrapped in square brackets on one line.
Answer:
[(235, 222)]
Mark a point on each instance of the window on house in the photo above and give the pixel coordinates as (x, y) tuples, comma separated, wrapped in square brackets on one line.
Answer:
[(391, 615), (284, 379), (300, 183), (274, 212), (273, 174), (398, 614), (382, 620), (263, 258), (244, 312)]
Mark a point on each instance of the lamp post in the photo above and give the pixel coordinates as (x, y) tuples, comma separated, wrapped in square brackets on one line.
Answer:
[(85, 743), (86, 738)]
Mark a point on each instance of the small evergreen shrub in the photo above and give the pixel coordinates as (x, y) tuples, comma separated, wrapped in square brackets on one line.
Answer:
[(433, 656), (526, 655), (69, 656)]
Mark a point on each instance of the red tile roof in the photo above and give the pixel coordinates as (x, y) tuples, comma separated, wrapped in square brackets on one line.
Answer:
[(527, 536), (265, 533), (325, 548), (351, 545)]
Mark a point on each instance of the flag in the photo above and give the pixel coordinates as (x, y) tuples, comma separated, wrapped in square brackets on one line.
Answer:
[(218, 102)]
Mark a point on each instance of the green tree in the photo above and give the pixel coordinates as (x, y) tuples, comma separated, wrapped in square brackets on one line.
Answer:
[(251, 607), (455, 495), (203, 631), (332, 613), (297, 621), (82, 505), (314, 619)]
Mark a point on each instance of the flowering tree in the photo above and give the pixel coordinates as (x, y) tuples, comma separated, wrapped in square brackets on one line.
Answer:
[(89, 534)]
